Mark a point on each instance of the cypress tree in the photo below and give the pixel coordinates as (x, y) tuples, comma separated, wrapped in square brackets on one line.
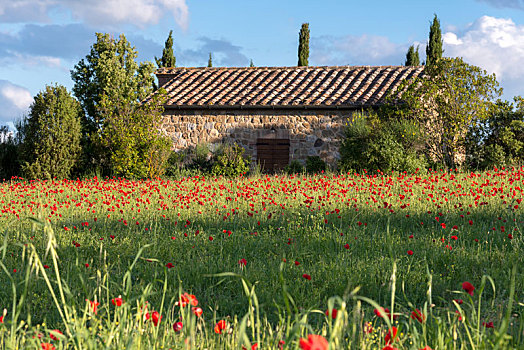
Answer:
[(303, 45), (434, 49), (168, 58), (251, 64), (412, 57), (210, 61)]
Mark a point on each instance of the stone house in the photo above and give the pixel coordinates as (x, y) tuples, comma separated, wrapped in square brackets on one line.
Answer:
[(277, 114)]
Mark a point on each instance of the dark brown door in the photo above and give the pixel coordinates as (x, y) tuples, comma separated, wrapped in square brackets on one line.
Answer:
[(273, 154)]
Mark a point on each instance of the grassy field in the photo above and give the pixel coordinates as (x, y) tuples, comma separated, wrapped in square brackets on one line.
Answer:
[(268, 258)]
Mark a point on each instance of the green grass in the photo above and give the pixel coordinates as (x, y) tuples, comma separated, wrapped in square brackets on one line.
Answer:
[(349, 233)]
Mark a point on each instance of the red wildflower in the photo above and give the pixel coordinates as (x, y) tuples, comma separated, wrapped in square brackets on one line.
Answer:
[(410, 252), (368, 328), (47, 346), (197, 311), (488, 325), (454, 238), (53, 334), (156, 318), (346, 246), (187, 299), (220, 326), (297, 263), (242, 262), (117, 301), (389, 347), (314, 342), (93, 305), (177, 326), (458, 301), (333, 313), (306, 276), (468, 287), (170, 265), (418, 315), (426, 348), (210, 238), (384, 311), (86, 265), (391, 335)]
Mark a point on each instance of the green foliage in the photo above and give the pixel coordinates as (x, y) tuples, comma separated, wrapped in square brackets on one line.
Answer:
[(251, 64), (210, 60), (175, 163), (131, 134), (382, 142), (295, 167), (303, 45), (109, 70), (446, 100), (228, 161), (200, 158), (434, 49), (499, 141), (51, 145), (412, 57), (9, 154), (315, 165), (168, 58)]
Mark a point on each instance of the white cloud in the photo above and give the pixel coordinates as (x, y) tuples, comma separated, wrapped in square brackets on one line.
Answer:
[(496, 45), (98, 12), (356, 50), (15, 101)]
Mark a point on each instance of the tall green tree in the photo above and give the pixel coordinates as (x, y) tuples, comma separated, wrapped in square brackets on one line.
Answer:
[(446, 100), (412, 57), (210, 60), (52, 132), (251, 64), (303, 45), (434, 49), (111, 64), (168, 58)]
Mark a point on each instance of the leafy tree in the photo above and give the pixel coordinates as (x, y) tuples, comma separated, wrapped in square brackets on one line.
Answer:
[(434, 49), (109, 69), (51, 145), (446, 100), (303, 45), (412, 57), (210, 61), (499, 141), (168, 58), (9, 153)]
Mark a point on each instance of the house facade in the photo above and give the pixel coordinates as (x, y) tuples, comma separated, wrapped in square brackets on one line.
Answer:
[(278, 114)]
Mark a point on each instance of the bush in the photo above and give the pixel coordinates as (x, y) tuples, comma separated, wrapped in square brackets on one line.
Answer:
[(175, 163), (382, 143), (200, 158), (315, 165), (228, 161), (295, 167), (9, 154), (51, 145)]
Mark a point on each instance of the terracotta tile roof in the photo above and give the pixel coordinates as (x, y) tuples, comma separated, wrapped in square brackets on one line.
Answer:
[(306, 87)]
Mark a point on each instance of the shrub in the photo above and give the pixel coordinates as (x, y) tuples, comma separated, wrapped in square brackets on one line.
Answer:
[(228, 161), (315, 165), (383, 143), (295, 167), (51, 145), (9, 154)]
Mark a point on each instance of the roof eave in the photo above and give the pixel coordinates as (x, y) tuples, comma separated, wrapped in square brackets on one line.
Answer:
[(269, 107)]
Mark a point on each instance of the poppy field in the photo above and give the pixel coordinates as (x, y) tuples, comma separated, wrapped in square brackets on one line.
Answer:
[(428, 260)]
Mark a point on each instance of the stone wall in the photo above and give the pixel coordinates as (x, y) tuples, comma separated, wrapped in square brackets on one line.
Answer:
[(311, 133)]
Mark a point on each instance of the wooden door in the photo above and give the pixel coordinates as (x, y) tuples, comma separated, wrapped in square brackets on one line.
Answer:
[(273, 154)]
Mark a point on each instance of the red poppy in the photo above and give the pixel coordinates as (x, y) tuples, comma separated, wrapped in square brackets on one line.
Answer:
[(368, 328), (468, 287), (454, 238), (391, 335), (47, 346), (306, 276), (389, 347), (177, 326), (156, 318), (418, 315), (242, 262), (117, 301), (86, 265), (458, 301), (93, 305), (297, 263), (333, 313), (314, 342), (384, 311), (410, 252), (488, 324), (346, 246), (220, 326), (197, 311), (53, 334), (170, 265), (426, 348)]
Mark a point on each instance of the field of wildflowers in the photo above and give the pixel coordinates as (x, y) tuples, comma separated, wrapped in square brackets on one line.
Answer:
[(408, 261)]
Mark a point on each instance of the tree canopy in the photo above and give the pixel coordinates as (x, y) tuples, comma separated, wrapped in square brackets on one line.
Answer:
[(168, 58), (303, 45), (434, 49)]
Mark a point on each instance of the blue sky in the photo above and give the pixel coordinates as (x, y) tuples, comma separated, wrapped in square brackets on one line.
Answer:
[(41, 40)]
